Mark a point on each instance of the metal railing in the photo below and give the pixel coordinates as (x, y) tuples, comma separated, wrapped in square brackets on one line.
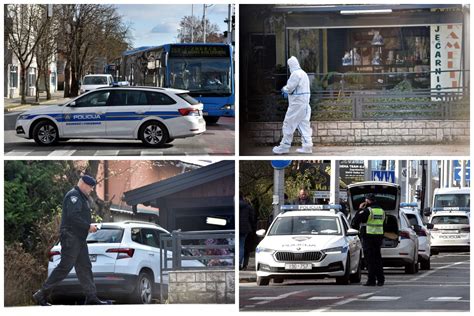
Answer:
[(196, 250), (354, 105)]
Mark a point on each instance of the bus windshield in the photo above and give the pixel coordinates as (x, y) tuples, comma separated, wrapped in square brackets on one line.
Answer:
[(208, 76)]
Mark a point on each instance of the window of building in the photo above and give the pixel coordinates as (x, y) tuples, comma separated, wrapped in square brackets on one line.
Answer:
[(13, 76)]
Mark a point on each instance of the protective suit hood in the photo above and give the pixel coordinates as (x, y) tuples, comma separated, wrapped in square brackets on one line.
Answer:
[(293, 64)]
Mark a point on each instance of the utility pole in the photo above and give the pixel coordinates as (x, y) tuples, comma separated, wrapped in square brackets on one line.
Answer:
[(205, 6)]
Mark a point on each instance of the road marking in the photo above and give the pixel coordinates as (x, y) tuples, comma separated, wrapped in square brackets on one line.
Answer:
[(433, 271), (18, 153), (364, 295), (446, 299), (151, 153), (322, 298), (383, 298), (61, 152), (249, 306), (106, 153), (272, 298)]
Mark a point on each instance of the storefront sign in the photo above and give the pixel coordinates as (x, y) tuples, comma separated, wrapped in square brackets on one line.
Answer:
[(446, 53), (351, 171)]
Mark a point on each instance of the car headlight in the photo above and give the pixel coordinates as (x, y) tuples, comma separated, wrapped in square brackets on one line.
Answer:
[(262, 249), (23, 117), (336, 250)]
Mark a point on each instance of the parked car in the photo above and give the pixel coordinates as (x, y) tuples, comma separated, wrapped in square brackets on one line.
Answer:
[(156, 116), (92, 82), (412, 213), (450, 199), (451, 230), (307, 241), (126, 264), (400, 246)]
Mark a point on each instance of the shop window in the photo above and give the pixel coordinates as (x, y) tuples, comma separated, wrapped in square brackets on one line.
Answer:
[(304, 44)]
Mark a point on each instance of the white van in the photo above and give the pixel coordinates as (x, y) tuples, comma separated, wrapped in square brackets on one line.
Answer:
[(92, 82), (454, 199)]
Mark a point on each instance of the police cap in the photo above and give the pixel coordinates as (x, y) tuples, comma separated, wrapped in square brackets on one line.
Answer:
[(88, 180)]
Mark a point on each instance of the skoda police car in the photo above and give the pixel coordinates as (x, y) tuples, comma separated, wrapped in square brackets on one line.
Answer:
[(309, 241), (156, 116)]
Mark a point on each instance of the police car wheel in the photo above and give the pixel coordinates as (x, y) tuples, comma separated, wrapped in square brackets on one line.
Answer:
[(261, 281), (45, 133), (154, 134)]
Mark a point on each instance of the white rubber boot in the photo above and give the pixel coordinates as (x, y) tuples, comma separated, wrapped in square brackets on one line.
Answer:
[(305, 150), (278, 150)]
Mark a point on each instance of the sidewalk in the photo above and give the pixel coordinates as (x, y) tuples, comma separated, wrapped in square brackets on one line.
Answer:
[(14, 104), (452, 149), (248, 275)]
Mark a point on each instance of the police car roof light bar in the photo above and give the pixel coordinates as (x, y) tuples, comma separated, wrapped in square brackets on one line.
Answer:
[(408, 204), (315, 207)]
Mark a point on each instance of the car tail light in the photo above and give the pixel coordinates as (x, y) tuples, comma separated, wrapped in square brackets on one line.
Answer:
[(122, 253), (466, 229), (189, 112), (51, 254), (422, 232), (404, 234)]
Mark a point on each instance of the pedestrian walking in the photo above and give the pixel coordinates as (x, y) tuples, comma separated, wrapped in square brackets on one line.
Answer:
[(75, 226), (370, 220), (298, 115), (247, 226)]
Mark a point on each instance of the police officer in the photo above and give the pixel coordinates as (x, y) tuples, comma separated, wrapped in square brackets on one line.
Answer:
[(75, 225), (369, 221)]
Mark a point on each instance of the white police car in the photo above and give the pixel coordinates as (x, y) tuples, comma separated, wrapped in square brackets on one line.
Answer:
[(154, 115), (309, 241)]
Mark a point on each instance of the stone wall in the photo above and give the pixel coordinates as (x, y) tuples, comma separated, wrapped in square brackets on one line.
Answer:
[(202, 287), (369, 132)]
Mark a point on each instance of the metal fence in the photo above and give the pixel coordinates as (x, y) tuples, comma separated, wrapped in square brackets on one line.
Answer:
[(356, 105), (197, 250)]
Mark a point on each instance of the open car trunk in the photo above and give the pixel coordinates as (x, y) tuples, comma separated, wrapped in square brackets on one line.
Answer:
[(388, 198)]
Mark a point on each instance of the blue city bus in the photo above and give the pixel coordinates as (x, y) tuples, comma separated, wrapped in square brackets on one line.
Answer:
[(205, 69)]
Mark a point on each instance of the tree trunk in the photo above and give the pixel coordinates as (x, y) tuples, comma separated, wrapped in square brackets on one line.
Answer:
[(67, 78), (37, 92), (47, 84), (23, 83)]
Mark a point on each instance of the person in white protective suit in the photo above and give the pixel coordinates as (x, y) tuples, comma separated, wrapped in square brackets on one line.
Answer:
[(299, 112)]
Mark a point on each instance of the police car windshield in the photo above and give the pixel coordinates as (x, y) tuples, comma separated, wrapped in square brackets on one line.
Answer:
[(306, 225), (450, 220), (452, 200), (106, 235)]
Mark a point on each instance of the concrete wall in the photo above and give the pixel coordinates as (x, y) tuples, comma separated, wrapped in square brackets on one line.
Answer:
[(202, 287), (370, 132)]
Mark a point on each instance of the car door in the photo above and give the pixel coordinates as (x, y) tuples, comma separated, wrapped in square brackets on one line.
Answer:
[(85, 116), (151, 238), (125, 111), (353, 243)]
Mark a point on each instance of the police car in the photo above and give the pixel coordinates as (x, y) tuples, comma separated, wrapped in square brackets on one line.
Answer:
[(156, 116), (309, 241), (451, 229)]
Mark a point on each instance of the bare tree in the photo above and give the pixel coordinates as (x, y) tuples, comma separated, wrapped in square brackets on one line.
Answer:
[(192, 27), (25, 28)]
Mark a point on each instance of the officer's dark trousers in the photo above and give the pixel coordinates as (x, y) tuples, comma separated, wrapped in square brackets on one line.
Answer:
[(373, 257), (74, 253)]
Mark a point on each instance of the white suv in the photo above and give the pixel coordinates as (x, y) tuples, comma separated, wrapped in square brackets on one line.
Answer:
[(92, 82), (125, 259), (156, 116), (451, 229)]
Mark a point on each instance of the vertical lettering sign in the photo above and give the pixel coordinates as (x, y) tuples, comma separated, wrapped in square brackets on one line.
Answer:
[(446, 61)]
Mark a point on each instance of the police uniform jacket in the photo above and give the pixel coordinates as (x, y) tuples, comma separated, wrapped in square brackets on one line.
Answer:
[(361, 217), (76, 216)]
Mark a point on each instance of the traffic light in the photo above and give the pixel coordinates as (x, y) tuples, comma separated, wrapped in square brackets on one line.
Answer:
[(418, 193)]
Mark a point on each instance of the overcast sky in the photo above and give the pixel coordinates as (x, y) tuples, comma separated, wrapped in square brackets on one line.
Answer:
[(156, 24)]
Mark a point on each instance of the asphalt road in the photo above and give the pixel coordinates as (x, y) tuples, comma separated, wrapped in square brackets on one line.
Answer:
[(443, 288), (219, 139)]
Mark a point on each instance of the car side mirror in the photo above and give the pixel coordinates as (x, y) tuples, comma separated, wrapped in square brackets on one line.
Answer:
[(352, 232), (72, 104), (417, 228), (427, 211), (261, 233), (429, 226)]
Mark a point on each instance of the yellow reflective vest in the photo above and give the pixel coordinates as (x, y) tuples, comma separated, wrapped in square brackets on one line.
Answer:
[(375, 221)]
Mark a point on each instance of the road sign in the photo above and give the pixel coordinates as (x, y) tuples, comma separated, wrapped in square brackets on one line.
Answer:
[(280, 164), (457, 170), (383, 175)]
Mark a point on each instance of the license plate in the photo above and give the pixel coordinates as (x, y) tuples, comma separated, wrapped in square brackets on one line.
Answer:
[(450, 236), (298, 266), (93, 258)]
